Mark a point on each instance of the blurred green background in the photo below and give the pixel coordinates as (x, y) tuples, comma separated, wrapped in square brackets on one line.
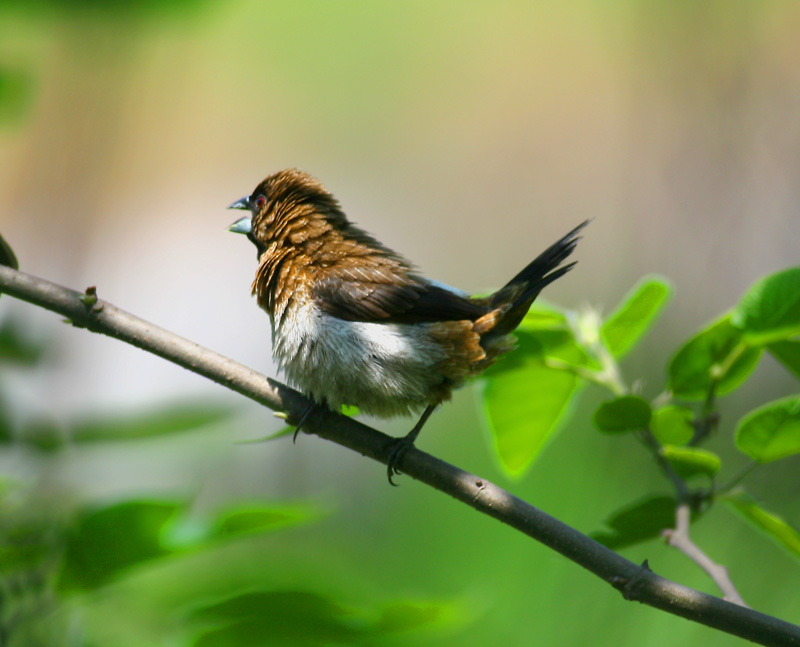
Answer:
[(468, 136)]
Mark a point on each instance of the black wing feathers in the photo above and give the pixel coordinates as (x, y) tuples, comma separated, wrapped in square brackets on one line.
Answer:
[(402, 301)]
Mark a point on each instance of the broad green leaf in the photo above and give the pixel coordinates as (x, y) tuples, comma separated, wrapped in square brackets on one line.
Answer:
[(627, 413), (788, 354), (718, 355), (691, 461), (768, 522), (638, 522), (174, 418), (525, 400), (672, 425), (636, 314), (108, 541), (772, 431), (770, 310)]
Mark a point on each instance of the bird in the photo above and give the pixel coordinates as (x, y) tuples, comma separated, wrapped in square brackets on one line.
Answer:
[(355, 323)]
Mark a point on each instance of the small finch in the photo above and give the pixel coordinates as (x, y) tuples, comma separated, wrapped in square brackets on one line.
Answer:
[(353, 323)]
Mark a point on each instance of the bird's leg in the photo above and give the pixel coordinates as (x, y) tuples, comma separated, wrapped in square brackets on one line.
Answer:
[(400, 446), (309, 409)]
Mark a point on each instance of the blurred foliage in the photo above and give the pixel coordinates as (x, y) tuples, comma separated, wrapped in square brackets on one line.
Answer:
[(58, 559), (107, 9), (16, 96)]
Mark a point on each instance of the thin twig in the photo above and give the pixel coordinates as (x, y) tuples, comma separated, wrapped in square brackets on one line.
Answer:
[(633, 581), (679, 538)]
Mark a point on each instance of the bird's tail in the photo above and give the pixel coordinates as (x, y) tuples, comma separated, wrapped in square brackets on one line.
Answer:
[(511, 302)]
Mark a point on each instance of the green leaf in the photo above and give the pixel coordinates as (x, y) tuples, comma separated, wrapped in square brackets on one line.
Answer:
[(716, 355), (691, 461), (788, 354), (106, 542), (636, 314), (772, 431), (768, 522), (638, 522), (174, 418), (627, 413), (672, 425), (543, 317), (524, 398), (770, 310)]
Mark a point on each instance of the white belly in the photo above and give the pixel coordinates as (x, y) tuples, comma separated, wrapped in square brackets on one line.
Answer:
[(383, 369)]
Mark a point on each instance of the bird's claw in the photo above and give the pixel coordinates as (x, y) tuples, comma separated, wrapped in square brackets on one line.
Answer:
[(397, 449)]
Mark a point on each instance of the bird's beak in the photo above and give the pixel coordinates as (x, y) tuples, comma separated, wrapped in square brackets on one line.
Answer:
[(243, 203), (242, 226)]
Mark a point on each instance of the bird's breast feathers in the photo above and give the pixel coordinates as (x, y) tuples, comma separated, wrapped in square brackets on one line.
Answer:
[(385, 369)]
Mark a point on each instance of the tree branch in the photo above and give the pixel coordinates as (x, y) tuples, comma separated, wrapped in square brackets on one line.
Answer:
[(634, 582)]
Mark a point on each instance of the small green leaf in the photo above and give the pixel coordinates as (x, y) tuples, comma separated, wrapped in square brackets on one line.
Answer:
[(691, 461), (672, 425), (716, 355), (171, 419), (768, 522), (628, 413), (770, 310), (636, 314), (788, 354), (108, 541), (772, 431), (525, 399), (638, 522)]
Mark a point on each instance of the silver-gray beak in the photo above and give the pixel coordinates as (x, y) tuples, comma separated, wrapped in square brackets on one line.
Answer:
[(242, 226), (243, 203)]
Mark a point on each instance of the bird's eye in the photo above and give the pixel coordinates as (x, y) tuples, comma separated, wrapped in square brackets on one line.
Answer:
[(259, 202)]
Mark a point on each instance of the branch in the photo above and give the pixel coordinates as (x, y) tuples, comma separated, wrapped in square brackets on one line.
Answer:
[(679, 538), (634, 582)]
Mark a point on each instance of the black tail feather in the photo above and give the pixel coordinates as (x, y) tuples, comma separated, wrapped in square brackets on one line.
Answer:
[(519, 293), (542, 271)]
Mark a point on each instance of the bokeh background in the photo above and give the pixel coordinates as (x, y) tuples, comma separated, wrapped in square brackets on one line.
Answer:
[(468, 136)]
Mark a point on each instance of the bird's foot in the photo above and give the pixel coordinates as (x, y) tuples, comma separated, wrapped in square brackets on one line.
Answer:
[(397, 449)]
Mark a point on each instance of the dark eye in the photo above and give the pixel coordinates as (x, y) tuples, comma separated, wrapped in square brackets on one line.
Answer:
[(259, 202)]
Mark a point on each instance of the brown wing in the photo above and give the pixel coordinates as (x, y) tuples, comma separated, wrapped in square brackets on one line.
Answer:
[(385, 294)]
